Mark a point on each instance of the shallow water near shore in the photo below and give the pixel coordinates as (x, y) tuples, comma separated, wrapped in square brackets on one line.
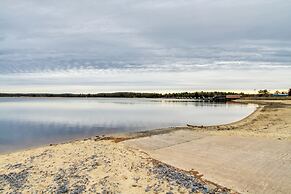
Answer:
[(30, 122)]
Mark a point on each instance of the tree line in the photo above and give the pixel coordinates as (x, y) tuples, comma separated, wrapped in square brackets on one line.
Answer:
[(266, 93), (195, 95)]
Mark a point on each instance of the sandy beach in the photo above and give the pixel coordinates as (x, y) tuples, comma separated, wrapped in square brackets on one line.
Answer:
[(94, 166), (249, 156)]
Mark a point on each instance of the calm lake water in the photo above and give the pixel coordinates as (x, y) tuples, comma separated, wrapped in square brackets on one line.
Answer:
[(29, 122)]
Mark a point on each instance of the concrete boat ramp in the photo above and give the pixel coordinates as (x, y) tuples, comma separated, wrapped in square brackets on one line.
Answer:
[(244, 164)]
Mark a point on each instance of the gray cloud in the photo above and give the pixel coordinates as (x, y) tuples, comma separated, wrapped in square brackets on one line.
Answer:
[(129, 23), (47, 37)]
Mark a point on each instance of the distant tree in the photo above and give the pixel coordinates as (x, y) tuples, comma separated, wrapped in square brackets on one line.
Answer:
[(264, 92), (289, 92), (277, 92)]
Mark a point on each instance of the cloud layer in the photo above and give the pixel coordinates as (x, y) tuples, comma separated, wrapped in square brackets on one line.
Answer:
[(82, 42)]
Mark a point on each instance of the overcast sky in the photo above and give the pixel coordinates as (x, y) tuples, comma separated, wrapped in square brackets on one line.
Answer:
[(159, 45)]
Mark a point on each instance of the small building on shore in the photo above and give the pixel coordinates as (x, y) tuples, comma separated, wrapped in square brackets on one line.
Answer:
[(224, 98), (232, 97)]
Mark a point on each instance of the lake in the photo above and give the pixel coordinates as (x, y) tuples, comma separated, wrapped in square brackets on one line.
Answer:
[(30, 122)]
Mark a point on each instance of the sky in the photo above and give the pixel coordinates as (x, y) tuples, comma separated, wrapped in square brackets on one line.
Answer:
[(92, 46)]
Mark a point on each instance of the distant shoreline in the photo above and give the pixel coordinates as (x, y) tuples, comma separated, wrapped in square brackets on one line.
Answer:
[(200, 94), (122, 95)]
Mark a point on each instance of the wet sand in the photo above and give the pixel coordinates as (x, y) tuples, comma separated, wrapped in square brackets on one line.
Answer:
[(249, 156)]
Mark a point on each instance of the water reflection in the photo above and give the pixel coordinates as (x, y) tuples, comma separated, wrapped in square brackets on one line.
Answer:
[(26, 122)]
